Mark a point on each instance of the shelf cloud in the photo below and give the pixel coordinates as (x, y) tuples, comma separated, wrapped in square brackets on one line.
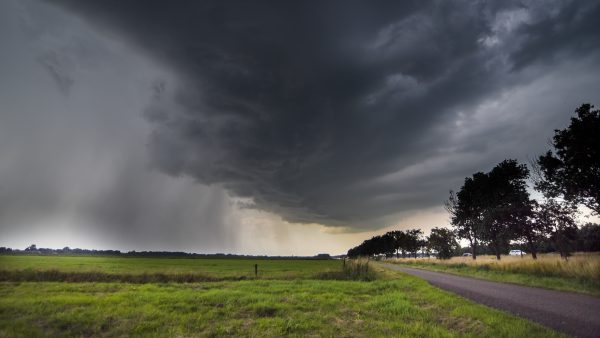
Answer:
[(346, 114)]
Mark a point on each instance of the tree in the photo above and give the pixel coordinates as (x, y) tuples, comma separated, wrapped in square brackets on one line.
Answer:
[(508, 205), (589, 237), (468, 208), (490, 206), (387, 244), (376, 245), (413, 240), (531, 231), (558, 218), (399, 241), (573, 170), (443, 241)]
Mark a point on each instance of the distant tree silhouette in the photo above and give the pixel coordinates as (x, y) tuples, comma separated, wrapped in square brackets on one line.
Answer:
[(508, 204), (572, 171), (389, 243), (443, 241), (399, 238), (467, 210), (414, 240)]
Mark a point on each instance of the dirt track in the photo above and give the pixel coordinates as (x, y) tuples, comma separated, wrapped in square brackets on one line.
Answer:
[(572, 313)]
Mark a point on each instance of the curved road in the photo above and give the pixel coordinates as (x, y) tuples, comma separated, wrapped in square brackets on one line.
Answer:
[(572, 313)]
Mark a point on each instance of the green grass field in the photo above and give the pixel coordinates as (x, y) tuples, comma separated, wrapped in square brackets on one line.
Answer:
[(580, 273), (213, 268), (297, 303)]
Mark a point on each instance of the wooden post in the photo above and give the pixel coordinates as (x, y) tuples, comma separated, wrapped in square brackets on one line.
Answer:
[(256, 270)]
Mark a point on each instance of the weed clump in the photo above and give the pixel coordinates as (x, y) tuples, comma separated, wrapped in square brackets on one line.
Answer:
[(352, 269)]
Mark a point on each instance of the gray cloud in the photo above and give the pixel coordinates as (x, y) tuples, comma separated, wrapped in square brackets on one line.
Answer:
[(74, 169), (346, 114)]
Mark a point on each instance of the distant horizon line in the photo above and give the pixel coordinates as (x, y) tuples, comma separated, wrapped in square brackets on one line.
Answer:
[(166, 253)]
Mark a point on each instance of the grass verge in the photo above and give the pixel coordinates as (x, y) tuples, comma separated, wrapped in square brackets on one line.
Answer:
[(581, 273)]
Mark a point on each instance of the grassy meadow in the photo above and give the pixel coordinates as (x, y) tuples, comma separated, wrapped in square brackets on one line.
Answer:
[(580, 273), (290, 298), (208, 269)]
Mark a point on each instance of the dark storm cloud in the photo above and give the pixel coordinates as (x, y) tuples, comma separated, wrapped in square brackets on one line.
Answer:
[(338, 113)]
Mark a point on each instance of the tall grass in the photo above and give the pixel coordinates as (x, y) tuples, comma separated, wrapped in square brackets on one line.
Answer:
[(352, 269), (579, 266), (581, 273), (358, 269)]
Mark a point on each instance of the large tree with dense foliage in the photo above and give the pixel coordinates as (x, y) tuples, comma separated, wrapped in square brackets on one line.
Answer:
[(572, 171), (508, 204), (490, 207)]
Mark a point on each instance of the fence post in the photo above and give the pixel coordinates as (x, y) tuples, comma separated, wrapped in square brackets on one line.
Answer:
[(255, 270)]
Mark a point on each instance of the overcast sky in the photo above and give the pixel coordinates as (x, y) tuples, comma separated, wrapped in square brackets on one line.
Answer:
[(271, 127)]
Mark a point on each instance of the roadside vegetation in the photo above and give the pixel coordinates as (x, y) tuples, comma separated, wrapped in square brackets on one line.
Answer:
[(365, 300), (580, 273)]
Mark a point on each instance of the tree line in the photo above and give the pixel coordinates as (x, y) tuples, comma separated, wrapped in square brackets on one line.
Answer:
[(35, 250), (408, 243), (443, 243), (493, 209)]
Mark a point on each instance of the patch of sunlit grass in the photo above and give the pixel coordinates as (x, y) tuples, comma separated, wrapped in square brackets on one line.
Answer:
[(399, 306)]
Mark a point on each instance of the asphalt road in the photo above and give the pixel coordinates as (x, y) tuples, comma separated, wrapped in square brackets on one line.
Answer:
[(572, 313)]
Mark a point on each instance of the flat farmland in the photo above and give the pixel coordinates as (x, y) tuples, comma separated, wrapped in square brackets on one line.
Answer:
[(291, 298), (210, 267)]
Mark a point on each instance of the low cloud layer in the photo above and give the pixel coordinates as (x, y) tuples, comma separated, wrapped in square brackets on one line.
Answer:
[(344, 114)]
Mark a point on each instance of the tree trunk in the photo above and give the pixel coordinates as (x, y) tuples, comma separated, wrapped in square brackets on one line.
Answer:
[(497, 250), (474, 250), (531, 247)]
